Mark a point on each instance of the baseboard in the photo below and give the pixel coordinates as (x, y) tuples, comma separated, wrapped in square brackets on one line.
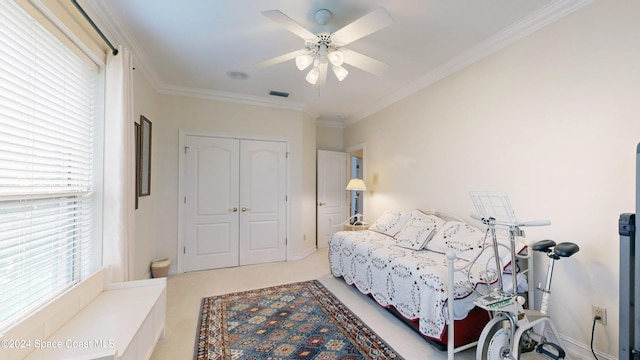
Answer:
[(577, 350), (301, 255), (292, 257), (173, 270)]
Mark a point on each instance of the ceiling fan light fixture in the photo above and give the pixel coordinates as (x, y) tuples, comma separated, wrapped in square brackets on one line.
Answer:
[(340, 72), (313, 75), (324, 47), (336, 58), (303, 61)]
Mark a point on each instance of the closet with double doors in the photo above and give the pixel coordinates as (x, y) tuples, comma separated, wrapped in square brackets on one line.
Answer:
[(234, 209)]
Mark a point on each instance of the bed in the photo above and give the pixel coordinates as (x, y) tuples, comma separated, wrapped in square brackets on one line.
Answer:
[(403, 262)]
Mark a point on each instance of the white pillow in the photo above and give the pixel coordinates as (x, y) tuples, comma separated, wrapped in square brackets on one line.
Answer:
[(468, 241), (390, 222), (418, 230), (457, 236)]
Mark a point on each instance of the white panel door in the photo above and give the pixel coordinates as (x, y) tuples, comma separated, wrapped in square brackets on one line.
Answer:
[(331, 193), (211, 214), (263, 202)]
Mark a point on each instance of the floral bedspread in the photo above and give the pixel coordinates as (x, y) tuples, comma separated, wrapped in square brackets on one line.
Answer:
[(412, 281)]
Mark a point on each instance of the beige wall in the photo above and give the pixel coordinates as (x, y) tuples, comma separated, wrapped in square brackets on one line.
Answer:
[(144, 249), (157, 214), (175, 113), (554, 121), (308, 203), (330, 138)]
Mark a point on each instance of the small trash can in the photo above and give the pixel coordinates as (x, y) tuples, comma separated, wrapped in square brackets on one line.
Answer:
[(160, 267)]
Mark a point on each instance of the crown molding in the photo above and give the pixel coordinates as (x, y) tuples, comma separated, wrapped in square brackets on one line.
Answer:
[(524, 27), (330, 124), (113, 25), (110, 22), (236, 98)]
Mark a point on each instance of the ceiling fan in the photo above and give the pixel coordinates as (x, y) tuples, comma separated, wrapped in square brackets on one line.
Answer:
[(323, 49)]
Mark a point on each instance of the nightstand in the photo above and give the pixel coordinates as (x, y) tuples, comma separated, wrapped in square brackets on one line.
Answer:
[(360, 226)]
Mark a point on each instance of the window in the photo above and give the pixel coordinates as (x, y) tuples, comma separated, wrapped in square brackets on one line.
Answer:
[(48, 166)]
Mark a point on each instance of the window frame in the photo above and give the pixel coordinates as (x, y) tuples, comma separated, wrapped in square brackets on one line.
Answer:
[(86, 257)]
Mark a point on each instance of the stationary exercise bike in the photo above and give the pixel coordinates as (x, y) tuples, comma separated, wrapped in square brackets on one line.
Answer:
[(513, 329)]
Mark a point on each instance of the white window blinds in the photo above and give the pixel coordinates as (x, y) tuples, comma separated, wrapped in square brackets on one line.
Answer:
[(47, 119)]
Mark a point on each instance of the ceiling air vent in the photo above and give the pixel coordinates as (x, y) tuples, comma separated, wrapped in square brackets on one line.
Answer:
[(279, 93)]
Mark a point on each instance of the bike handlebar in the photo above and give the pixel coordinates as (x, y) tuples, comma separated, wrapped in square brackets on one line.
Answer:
[(488, 221), (535, 223)]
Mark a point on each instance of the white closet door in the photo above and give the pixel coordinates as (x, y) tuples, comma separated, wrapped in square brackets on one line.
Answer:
[(331, 193), (263, 203), (211, 212)]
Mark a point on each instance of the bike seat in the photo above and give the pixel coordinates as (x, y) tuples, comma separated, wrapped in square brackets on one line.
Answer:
[(543, 245), (566, 249)]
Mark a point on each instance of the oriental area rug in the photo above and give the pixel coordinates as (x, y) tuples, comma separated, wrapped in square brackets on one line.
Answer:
[(294, 321)]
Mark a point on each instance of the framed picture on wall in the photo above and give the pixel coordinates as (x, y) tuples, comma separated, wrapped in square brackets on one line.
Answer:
[(145, 156)]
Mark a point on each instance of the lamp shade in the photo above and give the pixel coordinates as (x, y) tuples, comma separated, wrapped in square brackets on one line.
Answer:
[(340, 72), (356, 184), (313, 75), (303, 61), (336, 58)]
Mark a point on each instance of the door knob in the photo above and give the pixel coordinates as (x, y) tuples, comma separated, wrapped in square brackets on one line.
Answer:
[(322, 204), (235, 209), (244, 209)]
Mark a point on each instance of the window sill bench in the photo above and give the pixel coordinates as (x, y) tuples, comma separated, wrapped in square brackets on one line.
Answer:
[(121, 321)]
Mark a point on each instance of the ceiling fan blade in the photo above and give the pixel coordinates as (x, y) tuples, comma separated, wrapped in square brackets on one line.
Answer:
[(364, 62), (289, 24), (368, 24), (281, 58)]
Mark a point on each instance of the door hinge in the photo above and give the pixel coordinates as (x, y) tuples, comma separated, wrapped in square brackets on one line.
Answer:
[(185, 199), (184, 250), (286, 198), (185, 149), (287, 154)]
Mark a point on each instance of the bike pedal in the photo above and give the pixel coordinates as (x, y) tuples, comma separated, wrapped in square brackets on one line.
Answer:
[(544, 349), (528, 348)]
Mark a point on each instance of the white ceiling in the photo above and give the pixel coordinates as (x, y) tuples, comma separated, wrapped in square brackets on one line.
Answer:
[(188, 46)]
